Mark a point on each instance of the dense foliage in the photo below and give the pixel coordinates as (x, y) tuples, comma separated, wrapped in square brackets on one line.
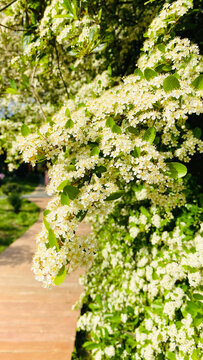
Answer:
[(143, 293), (125, 126)]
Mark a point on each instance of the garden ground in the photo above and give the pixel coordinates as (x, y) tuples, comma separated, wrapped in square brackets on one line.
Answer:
[(35, 323)]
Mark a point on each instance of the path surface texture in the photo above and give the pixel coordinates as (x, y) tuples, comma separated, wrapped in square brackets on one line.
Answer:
[(35, 323)]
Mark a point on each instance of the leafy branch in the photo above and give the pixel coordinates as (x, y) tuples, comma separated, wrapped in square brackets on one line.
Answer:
[(59, 68), (35, 94), (6, 6)]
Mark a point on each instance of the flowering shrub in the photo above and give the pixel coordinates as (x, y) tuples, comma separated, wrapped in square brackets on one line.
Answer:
[(50, 49), (117, 151), (122, 138), (143, 293)]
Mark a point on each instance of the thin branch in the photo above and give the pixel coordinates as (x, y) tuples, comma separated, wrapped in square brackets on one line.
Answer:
[(125, 2), (6, 6), (129, 333), (13, 29), (36, 94), (80, 8), (59, 69)]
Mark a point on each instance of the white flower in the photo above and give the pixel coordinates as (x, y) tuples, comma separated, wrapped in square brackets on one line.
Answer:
[(124, 318), (194, 279), (109, 351)]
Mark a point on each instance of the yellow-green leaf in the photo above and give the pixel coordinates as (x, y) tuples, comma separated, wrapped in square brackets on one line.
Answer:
[(95, 151), (116, 129), (171, 83), (60, 277), (110, 122), (52, 239), (69, 124), (46, 224), (25, 131), (149, 74), (116, 195), (65, 199), (71, 191), (198, 83), (63, 184), (176, 170), (150, 135)]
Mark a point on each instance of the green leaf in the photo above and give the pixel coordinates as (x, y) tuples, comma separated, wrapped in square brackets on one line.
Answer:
[(170, 355), (116, 195), (70, 168), (65, 199), (150, 135), (63, 184), (149, 2), (75, 8), (197, 132), (71, 191), (195, 355), (67, 112), (176, 170), (100, 169), (46, 212), (149, 74), (99, 48), (99, 14), (198, 320), (69, 124), (161, 48), (52, 239), (171, 83), (68, 5), (144, 211), (198, 83), (163, 68), (26, 40), (60, 277), (81, 215), (11, 91), (198, 296), (92, 33), (25, 80), (136, 152), (138, 72), (95, 151), (110, 122), (132, 130), (167, 67), (25, 131), (46, 224), (13, 84), (109, 70), (89, 345), (192, 308), (116, 129)]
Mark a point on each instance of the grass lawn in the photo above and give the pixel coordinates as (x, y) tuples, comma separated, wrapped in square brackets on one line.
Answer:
[(28, 185), (12, 225)]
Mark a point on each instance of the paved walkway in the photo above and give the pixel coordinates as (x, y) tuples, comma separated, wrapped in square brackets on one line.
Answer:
[(35, 323)]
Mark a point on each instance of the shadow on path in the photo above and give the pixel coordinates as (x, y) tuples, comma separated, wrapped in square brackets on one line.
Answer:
[(35, 323), (16, 256)]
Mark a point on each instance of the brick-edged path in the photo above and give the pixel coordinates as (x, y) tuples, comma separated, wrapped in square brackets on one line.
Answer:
[(35, 323)]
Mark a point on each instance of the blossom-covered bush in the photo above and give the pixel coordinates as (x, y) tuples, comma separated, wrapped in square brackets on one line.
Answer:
[(118, 148), (143, 293), (49, 49), (123, 137)]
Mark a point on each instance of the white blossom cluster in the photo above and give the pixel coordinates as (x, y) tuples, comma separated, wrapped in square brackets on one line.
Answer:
[(70, 30), (110, 142), (146, 296)]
